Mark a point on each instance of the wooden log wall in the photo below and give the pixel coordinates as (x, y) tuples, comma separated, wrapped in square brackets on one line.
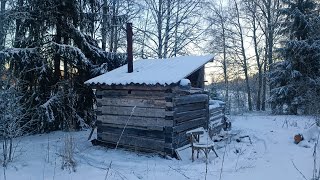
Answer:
[(155, 120), (190, 111), (216, 120), (144, 113)]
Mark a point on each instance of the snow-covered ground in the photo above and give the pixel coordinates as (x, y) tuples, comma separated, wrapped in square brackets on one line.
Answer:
[(270, 156)]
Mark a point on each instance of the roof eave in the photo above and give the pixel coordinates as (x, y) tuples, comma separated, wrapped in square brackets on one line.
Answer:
[(210, 60)]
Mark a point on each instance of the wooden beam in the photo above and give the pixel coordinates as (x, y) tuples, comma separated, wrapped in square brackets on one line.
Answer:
[(137, 111), (148, 122), (130, 131), (218, 109), (195, 123), (139, 142), (214, 118), (186, 116), (128, 147), (189, 107), (122, 101), (189, 99)]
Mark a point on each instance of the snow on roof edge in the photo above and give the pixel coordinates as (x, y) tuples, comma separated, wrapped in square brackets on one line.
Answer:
[(162, 72)]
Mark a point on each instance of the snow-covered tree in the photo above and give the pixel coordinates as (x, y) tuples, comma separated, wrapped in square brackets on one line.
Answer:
[(295, 79), (54, 51)]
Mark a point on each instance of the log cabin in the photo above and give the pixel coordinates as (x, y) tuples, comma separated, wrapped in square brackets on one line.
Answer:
[(150, 107)]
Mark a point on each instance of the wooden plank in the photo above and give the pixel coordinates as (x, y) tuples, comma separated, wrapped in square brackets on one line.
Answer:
[(214, 118), (186, 116), (216, 114), (129, 148), (127, 140), (169, 104), (122, 101), (216, 110), (149, 93), (131, 131), (213, 111), (182, 92), (112, 93), (189, 107), (132, 93), (147, 122), (190, 124), (138, 111), (190, 99)]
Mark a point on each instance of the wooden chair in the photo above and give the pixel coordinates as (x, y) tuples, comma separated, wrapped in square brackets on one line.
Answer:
[(196, 145)]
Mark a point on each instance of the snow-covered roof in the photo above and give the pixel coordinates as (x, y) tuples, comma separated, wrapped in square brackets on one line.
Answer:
[(153, 71)]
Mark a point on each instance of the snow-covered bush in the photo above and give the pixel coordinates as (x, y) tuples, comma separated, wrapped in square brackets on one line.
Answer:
[(11, 121), (67, 154), (63, 110)]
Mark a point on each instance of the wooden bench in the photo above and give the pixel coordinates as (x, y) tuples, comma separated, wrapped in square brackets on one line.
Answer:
[(196, 145)]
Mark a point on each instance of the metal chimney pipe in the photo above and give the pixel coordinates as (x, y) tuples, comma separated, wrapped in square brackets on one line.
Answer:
[(129, 47)]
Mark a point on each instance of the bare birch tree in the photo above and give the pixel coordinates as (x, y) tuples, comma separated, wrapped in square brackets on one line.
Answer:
[(269, 24), (172, 26), (240, 49), (112, 18), (220, 33), (254, 18)]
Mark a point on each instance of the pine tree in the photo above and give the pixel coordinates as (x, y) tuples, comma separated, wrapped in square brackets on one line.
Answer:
[(295, 79), (53, 53)]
